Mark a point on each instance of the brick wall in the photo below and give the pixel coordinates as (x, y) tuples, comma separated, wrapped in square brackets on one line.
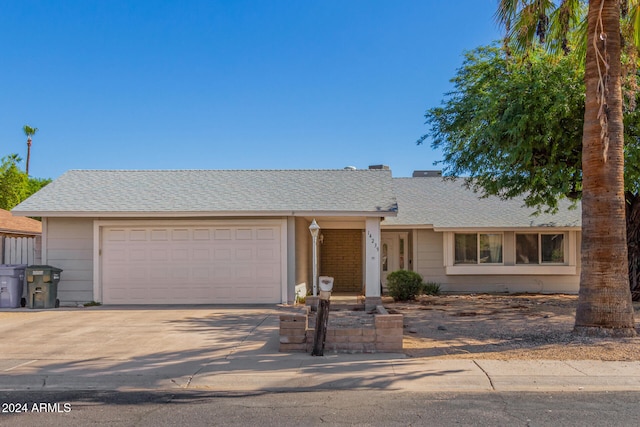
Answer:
[(341, 258), (383, 335)]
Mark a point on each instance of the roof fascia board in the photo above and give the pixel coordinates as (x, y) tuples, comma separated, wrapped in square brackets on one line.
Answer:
[(21, 232), (511, 228), (406, 226), (191, 214)]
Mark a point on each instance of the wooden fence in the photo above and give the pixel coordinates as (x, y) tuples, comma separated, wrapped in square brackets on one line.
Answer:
[(20, 250)]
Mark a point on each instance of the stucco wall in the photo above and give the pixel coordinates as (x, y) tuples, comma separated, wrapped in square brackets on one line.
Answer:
[(69, 246), (429, 262)]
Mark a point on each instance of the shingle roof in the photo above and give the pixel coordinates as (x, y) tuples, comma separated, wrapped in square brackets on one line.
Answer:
[(18, 225), (195, 192), (449, 204)]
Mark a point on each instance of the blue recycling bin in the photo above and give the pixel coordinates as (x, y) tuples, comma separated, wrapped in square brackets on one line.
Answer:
[(11, 285)]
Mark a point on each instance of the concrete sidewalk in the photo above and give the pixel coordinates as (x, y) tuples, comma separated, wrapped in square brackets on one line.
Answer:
[(250, 361)]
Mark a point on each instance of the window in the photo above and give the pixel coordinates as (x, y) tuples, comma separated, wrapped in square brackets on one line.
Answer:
[(552, 248), (540, 248), (478, 248), (466, 249), (385, 257)]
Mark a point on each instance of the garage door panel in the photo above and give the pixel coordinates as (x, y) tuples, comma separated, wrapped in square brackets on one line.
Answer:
[(159, 255), (266, 234), (195, 265), (201, 234), (159, 235), (137, 235), (117, 254), (179, 254), (266, 273), (180, 234), (266, 254), (136, 255), (201, 274), (201, 254), (244, 234), (222, 234), (243, 273), (244, 254), (222, 254), (221, 273)]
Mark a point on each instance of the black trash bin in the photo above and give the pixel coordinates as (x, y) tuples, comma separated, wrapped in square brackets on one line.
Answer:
[(42, 286), (11, 285)]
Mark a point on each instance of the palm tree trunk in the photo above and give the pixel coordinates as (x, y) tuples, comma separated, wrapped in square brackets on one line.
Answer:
[(28, 154), (604, 303)]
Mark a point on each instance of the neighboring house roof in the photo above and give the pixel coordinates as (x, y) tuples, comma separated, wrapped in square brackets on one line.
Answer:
[(214, 192), (10, 224), (448, 204)]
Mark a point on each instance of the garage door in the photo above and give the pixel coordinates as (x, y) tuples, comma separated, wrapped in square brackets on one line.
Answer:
[(212, 264)]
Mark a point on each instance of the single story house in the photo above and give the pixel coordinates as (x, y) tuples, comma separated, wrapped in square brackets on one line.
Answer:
[(452, 236), (17, 226), (208, 236), (242, 236), (19, 239)]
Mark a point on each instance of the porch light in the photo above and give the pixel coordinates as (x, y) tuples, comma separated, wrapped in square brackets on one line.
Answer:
[(314, 228)]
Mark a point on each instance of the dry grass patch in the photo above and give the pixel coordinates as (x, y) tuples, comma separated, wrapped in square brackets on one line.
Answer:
[(522, 326)]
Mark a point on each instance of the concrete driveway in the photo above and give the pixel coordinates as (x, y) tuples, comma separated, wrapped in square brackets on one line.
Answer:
[(236, 350), (154, 342)]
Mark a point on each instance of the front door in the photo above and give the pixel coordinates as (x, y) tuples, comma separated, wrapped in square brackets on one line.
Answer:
[(393, 255)]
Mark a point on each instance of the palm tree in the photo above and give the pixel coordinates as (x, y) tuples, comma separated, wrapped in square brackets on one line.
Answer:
[(604, 301), (29, 132)]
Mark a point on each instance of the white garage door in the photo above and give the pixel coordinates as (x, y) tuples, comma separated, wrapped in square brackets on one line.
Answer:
[(210, 264)]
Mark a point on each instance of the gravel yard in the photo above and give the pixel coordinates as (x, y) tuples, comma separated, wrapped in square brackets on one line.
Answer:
[(524, 326)]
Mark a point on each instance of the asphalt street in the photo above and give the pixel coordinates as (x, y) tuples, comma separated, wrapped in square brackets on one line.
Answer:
[(345, 407)]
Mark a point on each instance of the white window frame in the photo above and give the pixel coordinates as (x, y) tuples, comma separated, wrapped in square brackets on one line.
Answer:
[(478, 234), (569, 268), (565, 248)]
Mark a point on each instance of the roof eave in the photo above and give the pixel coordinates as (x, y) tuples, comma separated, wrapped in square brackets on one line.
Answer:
[(20, 232), (511, 228), (397, 226), (193, 214)]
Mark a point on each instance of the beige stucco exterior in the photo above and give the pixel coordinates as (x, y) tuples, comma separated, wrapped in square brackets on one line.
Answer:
[(429, 260), (67, 243)]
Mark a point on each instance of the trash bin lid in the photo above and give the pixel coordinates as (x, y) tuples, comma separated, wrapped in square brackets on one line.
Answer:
[(11, 268), (43, 267)]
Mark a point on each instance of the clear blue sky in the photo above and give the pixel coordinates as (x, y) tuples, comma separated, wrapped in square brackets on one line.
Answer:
[(234, 84)]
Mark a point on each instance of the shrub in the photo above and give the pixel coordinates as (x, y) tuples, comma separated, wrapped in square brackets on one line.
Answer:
[(431, 288), (404, 285), (92, 304)]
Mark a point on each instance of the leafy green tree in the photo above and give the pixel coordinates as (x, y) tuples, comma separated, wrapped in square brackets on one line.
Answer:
[(13, 182), (604, 301), (35, 184), (15, 185), (513, 124)]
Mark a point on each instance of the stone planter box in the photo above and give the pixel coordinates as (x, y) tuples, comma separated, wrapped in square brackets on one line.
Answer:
[(348, 332)]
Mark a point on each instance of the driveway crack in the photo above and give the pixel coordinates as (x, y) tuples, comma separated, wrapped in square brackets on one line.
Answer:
[(246, 337), (229, 354), (486, 374)]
